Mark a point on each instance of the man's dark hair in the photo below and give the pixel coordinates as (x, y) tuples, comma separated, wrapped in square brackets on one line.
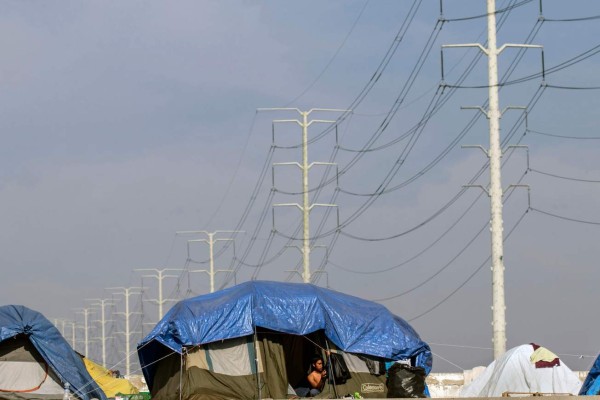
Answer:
[(315, 358)]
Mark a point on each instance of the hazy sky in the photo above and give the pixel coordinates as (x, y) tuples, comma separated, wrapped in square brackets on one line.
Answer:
[(125, 122)]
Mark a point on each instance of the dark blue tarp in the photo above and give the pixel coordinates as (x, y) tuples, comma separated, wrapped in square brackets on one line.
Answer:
[(591, 385), (353, 324), (54, 349)]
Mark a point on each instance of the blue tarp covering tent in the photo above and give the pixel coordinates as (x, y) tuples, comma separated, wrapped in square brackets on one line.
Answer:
[(16, 320), (591, 385), (354, 325)]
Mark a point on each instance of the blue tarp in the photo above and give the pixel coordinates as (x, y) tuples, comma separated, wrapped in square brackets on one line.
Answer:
[(54, 349), (354, 325), (591, 385)]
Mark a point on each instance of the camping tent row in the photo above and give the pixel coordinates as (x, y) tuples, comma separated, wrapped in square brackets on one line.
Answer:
[(252, 341), (36, 362), (256, 340)]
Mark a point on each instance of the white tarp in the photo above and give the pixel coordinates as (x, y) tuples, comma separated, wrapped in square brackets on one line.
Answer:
[(515, 372)]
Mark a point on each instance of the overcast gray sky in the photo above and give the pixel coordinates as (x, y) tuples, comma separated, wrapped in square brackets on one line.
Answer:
[(125, 122)]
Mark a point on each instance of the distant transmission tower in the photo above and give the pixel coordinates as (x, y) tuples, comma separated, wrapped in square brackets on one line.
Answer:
[(86, 340), (159, 277), (102, 303), (210, 241), (305, 167), (126, 292)]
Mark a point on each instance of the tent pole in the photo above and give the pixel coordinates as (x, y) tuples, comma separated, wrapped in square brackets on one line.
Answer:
[(256, 363), (181, 374), (329, 372)]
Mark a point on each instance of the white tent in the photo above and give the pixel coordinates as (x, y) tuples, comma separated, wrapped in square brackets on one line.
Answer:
[(524, 369)]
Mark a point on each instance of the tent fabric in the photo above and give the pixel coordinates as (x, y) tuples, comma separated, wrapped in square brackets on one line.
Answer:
[(280, 366), (27, 377), (515, 372), (62, 361), (591, 385), (23, 372), (109, 384), (354, 325)]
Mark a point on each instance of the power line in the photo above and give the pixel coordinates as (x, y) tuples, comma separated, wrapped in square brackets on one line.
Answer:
[(582, 221), (333, 57), (373, 137), (580, 19), (497, 12), (428, 114), (515, 61), (564, 136), (235, 172), (564, 177), (530, 107), (416, 255), (439, 271), (574, 87), (559, 67), (382, 66), (468, 278)]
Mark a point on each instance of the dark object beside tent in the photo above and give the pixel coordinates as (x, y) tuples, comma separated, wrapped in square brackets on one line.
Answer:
[(405, 381), (36, 361), (255, 340)]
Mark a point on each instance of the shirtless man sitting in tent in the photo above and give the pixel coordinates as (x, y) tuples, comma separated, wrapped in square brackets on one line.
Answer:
[(315, 381)]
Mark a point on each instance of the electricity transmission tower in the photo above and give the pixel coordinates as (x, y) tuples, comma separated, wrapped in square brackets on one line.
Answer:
[(126, 292), (102, 303), (210, 240), (159, 277), (86, 342), (305, 167), (495, 191), (62, 323)]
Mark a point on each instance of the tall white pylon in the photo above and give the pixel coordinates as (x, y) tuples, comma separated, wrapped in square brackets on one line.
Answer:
[(102, 303), (126, 292), (210, 240), (159, 277), (86, 341), (305, 167), (495, 191), (73, 340)]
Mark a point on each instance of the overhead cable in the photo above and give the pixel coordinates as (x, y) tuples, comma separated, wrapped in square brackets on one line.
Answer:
[(564, 136), (581, 221), (500, 11), (333, 57), (468, 278), (564, 177)]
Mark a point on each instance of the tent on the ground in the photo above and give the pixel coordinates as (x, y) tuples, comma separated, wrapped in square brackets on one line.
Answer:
[(256, 339), (36, 362), (591, 385), (107, 382), (528, 368)]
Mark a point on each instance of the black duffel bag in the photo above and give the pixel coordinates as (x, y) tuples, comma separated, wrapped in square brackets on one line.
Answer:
[(405, 381)]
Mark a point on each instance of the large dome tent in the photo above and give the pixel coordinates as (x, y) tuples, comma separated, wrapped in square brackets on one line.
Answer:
[(253, 341)]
